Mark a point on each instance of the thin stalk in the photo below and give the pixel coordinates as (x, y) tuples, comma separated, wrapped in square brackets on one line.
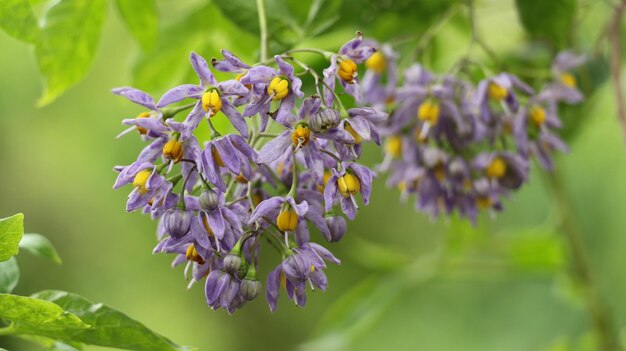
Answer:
[(263, 27), (615, 41), (599, 314)]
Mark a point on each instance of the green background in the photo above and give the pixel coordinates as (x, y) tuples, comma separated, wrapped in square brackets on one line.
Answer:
[(502, 286)]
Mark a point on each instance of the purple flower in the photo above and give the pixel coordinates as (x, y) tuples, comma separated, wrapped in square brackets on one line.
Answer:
[(231, 153), (277, 85), (343, 66), (343, 185), (146, 182), (212, 96), (305, 264), (146, 123)]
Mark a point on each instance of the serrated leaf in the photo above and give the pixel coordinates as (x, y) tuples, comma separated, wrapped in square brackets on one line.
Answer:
[(34, 316), (18, 20), (550, 21), (68, 44), (141, 18), (39, 245), (9, 275), (11, 231), (109, 327)]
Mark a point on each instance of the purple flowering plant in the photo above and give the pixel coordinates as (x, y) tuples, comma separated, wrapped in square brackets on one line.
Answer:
[(288, 170)]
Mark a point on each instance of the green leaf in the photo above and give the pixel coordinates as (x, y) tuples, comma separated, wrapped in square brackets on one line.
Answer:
[(51, 344), (11, 230), (39, 245), (9, 275), (141, 18), (68, 44), (280, 21), (109, 327), (18, 20), (34, 316), (550, 21)]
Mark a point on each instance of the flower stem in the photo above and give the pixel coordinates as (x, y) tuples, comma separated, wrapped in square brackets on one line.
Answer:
[(263, 26), (580, 272)]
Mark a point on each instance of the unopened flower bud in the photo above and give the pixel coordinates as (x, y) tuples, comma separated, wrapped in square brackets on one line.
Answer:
[(209, 200), (301, 135), (287, 220), (177, 222), (232, 263), (278, 88), (348, 185), (337, 226), (249, 289), (212, 102), (347, 70), (324, 120)]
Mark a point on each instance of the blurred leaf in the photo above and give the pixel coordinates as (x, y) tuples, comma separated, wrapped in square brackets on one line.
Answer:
[(11, 230), (548, 20), (244, 14), (169, 60), (51, 344), (537, 249), (141, 18), (9, 275), (109, 327), (360, 308), (39, 245), (18, 20), (317, 16), (34, 316), (68, 44), (376, 256)]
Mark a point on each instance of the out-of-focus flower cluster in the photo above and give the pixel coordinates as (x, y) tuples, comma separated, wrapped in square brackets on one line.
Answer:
[(459, 146), (292, 166)]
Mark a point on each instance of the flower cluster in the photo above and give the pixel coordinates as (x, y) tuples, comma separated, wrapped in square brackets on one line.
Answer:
[(291, 168), (462, 147)]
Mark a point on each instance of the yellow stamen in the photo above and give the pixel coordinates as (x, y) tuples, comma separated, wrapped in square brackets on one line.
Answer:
[(537, 114), (173, 150), (193, 255), (141, 179), (496, 169), (325, 180), (241, 179), (142, 130), (428, 111), (211, 102), (348, 185), (300, 135), (287, 220), (568, 80), (355, 135), (440, 172), (497, 92), (394, 146), (278, 88), (376, 62), (206, 225), (217, 157), (483, 202), (347, 71)]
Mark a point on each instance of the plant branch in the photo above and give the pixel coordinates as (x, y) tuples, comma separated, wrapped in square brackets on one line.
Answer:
[(581, 272), (263, 26), (614, 37)]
